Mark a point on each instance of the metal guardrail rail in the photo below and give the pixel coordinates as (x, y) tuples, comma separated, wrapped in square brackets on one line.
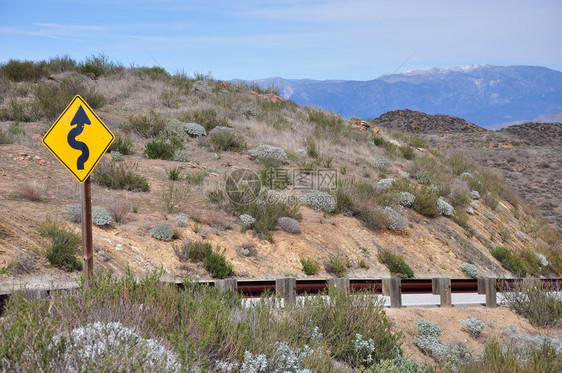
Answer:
[(289, 288)]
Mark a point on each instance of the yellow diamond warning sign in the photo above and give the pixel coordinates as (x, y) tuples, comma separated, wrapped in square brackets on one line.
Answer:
[(78, 138)]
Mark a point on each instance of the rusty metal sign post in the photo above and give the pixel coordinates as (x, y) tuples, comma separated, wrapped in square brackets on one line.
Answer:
[(79, 139)]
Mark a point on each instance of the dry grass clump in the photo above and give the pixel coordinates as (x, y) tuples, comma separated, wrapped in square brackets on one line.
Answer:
[(32, 190), (364, 201), (118, 208), (24, 262)]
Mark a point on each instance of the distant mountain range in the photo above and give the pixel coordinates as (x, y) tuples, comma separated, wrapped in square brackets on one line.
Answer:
[(482, 94)]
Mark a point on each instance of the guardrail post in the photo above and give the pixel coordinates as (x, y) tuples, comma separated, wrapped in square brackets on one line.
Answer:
[(229, 284), (392, 287), (342, 283), (488, 286), (286, 288), (490, 289), (442, 286)]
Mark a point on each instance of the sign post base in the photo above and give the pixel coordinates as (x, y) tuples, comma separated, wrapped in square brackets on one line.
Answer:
[(87, 241)]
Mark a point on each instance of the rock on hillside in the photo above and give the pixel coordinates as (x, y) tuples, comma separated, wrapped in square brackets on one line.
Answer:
[(539, 134), (414, 122)]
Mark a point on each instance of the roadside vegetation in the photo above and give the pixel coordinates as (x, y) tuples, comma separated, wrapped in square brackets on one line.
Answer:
[(196, 328), (193, 130)]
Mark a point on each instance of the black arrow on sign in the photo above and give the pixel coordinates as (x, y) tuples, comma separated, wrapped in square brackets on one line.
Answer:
[(79, 120)]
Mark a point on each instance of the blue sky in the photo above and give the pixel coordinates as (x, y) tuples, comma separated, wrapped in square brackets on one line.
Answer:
[(355, 40)]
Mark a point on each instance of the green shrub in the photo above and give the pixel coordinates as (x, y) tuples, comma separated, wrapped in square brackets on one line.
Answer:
[(19, 111), (62, 250), (426, 202), (540, 304), (418, 142), (52, 98), (154, 73), (395, 264), (173, 196), (199, 251), (217, 265), (461, 217), (207, 118), (309, 266), (170, 98), (491, 200), (120, 175), (458, 197), (227, 141), (100, 65), (196, 178), (378, 140), (267, 214), (24, 71), (121, 145), (275, 178), (174, 173), (159, 149), (510, 261), (486, 181), (460, 163), (497, 357), (407, 152), (535, 265), (326, 123), (354, 328), (183, 82), (61, 64), (5, 138), (14, 135), (311, 150), (337, 265), (243, 200), (146, 125)]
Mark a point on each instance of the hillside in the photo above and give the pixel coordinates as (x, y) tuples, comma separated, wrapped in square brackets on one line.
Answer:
[(412, 122), (538, 134), (392, 195), (481, 94), (527, 156)]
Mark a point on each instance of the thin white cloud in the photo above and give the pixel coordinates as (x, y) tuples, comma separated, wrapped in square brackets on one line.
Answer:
[(17, 31), (56, 26)]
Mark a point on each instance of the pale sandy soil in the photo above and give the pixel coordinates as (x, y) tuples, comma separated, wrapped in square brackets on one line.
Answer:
[(449, 319)]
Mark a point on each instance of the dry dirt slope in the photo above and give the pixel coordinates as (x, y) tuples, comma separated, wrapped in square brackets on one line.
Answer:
[(431, 246)]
